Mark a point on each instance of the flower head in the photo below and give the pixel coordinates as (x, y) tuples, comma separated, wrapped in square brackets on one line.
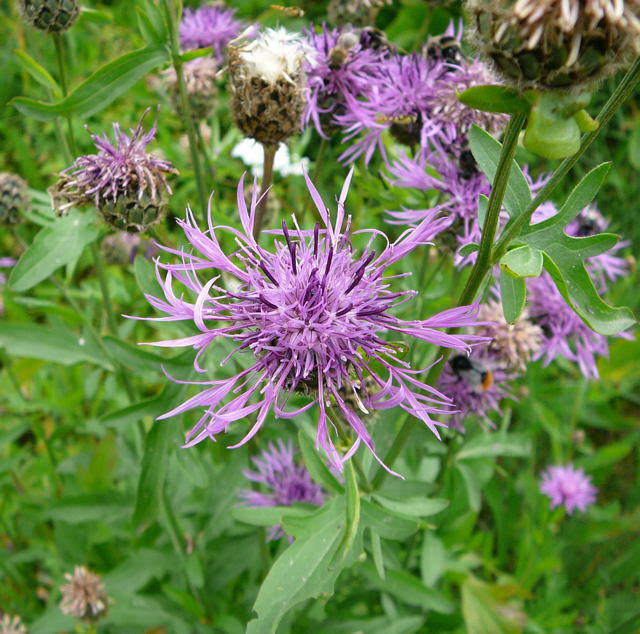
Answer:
[(311, 314), (341, 66), (287, 481), (12, 625), (267, 85), (84, 596), (569, 487), (126, 183), (199, 78), (50, 16), (14, 199), (476, 385), (209, 25)]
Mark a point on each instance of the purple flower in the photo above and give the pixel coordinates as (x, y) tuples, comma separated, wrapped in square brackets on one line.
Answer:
[(569, 487), (4, 263), (311, 314), (120, 169), (287, 481), (209, 25), (340, 66), (563, 332), (475, 384)]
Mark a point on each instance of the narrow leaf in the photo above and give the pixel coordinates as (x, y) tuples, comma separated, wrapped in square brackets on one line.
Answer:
[(40, 74), (413, 506), (352, 509), (494, 99), (376, 552), (513, 292)]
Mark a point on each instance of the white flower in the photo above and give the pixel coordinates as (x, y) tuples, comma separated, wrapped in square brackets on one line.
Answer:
[(251, 154)]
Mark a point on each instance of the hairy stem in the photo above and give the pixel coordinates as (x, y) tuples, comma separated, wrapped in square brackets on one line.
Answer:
[(269, 156)]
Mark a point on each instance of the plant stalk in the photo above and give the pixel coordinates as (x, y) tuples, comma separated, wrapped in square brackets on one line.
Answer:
[(62, 73), (267, 175)]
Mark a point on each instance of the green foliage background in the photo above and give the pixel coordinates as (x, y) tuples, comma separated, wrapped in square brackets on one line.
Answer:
[(78, 488)]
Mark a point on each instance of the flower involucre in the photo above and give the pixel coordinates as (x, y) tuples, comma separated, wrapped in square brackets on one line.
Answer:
[(312, 314), (569, 487)]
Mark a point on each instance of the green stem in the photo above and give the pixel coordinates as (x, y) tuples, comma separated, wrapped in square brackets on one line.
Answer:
[(269, 156), (622, 92), (62, 73), (104, 288), (173, 20)]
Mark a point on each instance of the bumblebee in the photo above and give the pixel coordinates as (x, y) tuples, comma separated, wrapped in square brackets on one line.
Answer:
[(339, 54), (445, 48), (471, 372), (292, 12), (375, 39)]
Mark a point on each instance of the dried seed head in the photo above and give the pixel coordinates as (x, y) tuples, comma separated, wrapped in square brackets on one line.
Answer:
[(267, 84), (52, 16), (546, 44), (14, 199), (513, 345), (199, 78), (354, 12), (12, 625), (84, 596)]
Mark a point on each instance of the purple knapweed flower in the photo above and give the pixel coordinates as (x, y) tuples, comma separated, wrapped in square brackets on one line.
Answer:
[(123, 169), (569, 487), (311, 314), (476, 385), (340, 66), (209, 25), (287, 482)]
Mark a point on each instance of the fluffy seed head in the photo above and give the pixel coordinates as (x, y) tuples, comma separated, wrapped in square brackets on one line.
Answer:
[(14, 199), (126, 183), (267, 85), (316, 317), (285, 482), (512, 345), (52, 16), (569, 487), (545, 44), (199, 78), (84, 596)]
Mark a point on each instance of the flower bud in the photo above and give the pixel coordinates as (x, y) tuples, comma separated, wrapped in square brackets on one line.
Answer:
[(546, 44), (52, 16), (267, 86), (14, 199)]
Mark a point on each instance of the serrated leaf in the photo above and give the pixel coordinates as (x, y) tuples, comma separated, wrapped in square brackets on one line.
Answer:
[(413, 506), (153, 473), (513, 293), (304, 570), (486, 150), (490, 98), (39, 73), (100, 89), (52, 248), (564, 259), (522, 261)]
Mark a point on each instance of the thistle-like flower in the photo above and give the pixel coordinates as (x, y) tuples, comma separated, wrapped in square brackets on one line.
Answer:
[(126, 183), (342, 66), (544, 44), (200, 83), (512, 345), (286, 482), (51, 16), (311, 314), (14, 199), (209, 25), (84, 596), (12, 625), (267, 85), (569, 487), (354, 12), (476, 384)]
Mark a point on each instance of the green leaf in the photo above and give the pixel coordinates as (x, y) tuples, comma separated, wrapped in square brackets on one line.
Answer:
[(196, 53), (270, 515), (483, 204), (146, 277), (316, 466), (633, 147), (468, 249), (413, 506), (153, 407), (100, 89), (40, 74), (409, 589), (494, 99), (105, 507), (47, 343), (52, 248), (153, 473), (376, 553), (488, 445), (513, 293), (137, 359), (486, 150), (522, 262), (433, 559), (152, 23), (352, 509), (386, 523), (304, 570), (564, 259)]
